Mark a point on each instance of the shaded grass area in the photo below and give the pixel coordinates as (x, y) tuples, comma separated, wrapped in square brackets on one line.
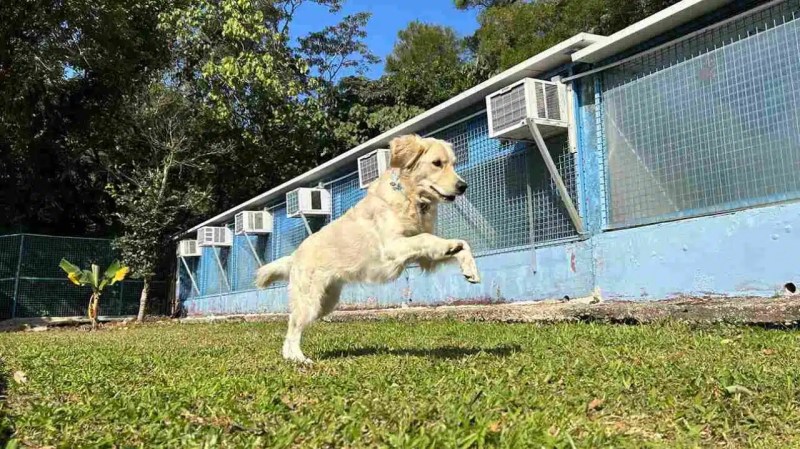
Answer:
[(407, 384)]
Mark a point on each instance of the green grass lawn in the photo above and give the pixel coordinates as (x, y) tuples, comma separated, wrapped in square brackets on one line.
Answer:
[(405, 384)]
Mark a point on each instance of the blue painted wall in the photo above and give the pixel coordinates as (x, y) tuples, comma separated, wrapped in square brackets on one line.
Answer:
[(751, 252)]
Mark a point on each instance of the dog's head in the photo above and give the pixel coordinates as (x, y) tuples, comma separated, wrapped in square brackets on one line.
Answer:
[(429, 164)]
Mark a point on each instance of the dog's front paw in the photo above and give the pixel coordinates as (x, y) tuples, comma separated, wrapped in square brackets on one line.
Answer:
[(473, 278), (470, 271)]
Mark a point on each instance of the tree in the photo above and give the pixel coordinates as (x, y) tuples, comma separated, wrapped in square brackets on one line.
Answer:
[(427, 65), (162, 186), (114, 273), (512, 31), (235, 58), (468, 4), (65, 68), (339, 47)]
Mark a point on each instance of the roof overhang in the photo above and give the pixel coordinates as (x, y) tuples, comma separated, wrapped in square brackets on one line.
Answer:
[(644, 30), (544, 62)]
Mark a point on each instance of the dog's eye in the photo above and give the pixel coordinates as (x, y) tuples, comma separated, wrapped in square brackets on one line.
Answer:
[(437, 163)]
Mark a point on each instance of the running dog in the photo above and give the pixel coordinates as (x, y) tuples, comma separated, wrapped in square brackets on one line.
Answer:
[(376, 239)]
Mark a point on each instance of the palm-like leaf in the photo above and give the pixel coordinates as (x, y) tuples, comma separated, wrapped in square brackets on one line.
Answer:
[(68, 267)]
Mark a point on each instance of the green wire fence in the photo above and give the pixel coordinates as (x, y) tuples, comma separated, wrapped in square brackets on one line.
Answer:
[(32, 285)]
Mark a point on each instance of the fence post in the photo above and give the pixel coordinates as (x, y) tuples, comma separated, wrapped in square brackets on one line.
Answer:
[(121, 299), (16, 278)]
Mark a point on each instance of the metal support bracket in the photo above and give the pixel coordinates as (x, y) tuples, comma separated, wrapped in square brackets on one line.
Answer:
[(531, 215), (222, 270), (308, 226), (253, 249), (551, 167), (191, 276)]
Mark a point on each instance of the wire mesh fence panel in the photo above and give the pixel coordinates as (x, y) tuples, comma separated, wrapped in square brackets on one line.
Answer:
[(35, 286), (42, 254), (289, 233), (6, 298), (9, 255), (498, 208), (708, 125), (551, 221), (213, 270), (9, 262), (345, 193), (246, 257), (188, 277)]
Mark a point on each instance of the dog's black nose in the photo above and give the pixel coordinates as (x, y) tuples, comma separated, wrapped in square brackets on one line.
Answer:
[(461, 186)]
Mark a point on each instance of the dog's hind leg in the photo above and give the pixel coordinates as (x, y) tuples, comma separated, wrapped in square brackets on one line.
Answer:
[(307, 299), (331, 299)]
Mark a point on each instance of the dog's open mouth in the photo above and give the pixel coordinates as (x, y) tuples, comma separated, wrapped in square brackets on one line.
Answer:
[(448, 198)]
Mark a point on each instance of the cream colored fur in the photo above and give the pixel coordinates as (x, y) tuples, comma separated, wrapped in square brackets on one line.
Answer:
[(376, 239)]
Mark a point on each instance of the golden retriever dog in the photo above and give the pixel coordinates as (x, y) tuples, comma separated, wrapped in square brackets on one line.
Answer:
[(377, 238)]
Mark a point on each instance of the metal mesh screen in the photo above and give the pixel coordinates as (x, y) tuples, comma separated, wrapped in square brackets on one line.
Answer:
[(550, 217), (552, 102), (708, 125), (345, 193), (497, 211), (33, 285), (368, 168), (292, 202), (508, 108), (243, 262)]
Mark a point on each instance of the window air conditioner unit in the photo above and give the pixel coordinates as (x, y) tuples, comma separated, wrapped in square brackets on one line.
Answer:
[(306, 202), (188, 248), (372, 166), (542, 101), (214, 236), (253, 222)]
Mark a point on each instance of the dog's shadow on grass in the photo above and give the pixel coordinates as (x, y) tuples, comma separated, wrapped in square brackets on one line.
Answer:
[(441, 352)]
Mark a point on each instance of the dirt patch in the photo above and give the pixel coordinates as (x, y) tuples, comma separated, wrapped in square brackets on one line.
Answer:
[(773, 312)]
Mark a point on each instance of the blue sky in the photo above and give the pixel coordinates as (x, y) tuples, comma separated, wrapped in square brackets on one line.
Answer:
[(388, 17)]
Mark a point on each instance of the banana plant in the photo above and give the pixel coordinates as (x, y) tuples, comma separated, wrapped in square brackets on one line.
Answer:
[(113, 274)]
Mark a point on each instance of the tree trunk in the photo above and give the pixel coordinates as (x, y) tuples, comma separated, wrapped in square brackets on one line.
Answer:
[(143, 300), (93, 300)]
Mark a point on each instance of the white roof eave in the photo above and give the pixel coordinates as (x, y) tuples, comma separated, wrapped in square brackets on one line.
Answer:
[(545, 61), (646, 29)]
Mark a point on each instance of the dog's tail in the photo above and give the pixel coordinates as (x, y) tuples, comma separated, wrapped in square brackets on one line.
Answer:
[(274, 271)]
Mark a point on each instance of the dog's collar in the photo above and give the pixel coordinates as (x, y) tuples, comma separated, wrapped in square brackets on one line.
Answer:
[(398, 187), (395, 182)]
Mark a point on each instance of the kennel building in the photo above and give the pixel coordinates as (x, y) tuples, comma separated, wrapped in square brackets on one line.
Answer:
[(661, 161)]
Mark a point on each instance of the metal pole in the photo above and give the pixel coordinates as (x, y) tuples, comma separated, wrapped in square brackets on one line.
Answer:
[(308, 226), (253, 249), (16, 279), (191, 276), (531, 214), (551, 167)]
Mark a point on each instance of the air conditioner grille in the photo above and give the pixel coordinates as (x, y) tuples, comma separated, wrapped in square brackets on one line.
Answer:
[(368, 168), (292, 202), (508, 108), (553, 109)]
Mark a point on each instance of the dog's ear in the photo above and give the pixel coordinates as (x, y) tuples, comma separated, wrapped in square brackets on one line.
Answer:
[(406, 150)]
